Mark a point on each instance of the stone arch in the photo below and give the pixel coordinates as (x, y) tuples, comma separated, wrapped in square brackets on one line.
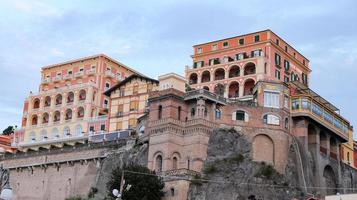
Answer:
[(219, 74), (206, 88), (57, 116), (205, 77), (248, 86), (36, 103), (158, 163), (82, 95), (219, 89), (233, 89), (330, 180), (34, 120), (68, 115), (47, 101), (70, 97), (234, 71), (58, 99), (263, 149), (80, 112), (45, 118), (193, 78), (249, 69)]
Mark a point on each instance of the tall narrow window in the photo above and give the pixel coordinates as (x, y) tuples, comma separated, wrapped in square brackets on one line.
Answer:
[(277, 59), (271, 99), (286, 65), (199, 50), (277, 74), (225, 44), (256, 38), (179, 113), (193, 112), (159, 163), (135, 89), (241, 41), (174, 163), (160, 112)]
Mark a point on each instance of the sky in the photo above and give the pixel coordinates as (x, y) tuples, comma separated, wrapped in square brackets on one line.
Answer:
[(156, 37)]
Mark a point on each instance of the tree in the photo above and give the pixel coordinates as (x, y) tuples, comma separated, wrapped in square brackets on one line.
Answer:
[(145, 185), (9, 130)]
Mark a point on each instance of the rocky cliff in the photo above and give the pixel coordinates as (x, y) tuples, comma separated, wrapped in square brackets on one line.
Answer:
[(229, 172)]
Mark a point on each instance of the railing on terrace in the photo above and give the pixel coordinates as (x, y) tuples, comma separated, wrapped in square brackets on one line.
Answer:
[(188, 123), (111, 136), (64, 89), (178, 172), (54, 140), (307, 105), (206, 64), (206, 93)]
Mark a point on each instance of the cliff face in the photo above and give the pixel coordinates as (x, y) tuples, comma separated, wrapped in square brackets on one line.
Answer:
[(138, 154), (229, 172)]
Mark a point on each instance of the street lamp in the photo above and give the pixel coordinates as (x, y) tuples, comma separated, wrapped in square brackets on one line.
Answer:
[(6, 191)]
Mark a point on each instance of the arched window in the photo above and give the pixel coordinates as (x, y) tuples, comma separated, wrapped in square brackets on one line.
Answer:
[(286, 123), (107, 86), (248, 87), (172, 190), (205, 112), (54, 133), (159, 114), (78, 131), (36, 104), (174, 163), (240, 115), (68, 114), (66, 131), (58, 99), (34, 120), (57, 116), (348, 157), (193, 112), (80, 112), (219, 74), (158, 162), (70, 97), (179, 113), (218, 113), (206, 77), (234, 71), (271, 119), (45, 118), (219, 89), (82, 95), (47, 101), (249, 69), (193, 78), (233, 90)]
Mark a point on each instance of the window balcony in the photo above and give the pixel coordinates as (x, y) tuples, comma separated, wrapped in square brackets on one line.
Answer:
[(90, 72), (46, 80), (308, 106), (78, 74), (57, 78), (110, 74), (68, 77)]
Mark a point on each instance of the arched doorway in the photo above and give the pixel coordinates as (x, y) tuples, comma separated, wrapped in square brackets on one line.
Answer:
[(233, 90), (248, 87), (330, 180), (219, 74), (193, 78), (234, 71), (249, 69)]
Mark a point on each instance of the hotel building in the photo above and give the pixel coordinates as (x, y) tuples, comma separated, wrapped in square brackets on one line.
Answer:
[(70, 97)]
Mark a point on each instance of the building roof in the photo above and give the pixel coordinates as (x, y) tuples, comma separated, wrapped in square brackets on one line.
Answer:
[(123, 82), (90, 57)]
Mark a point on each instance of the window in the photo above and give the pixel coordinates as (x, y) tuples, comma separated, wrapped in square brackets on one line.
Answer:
[(271, 119), (66, 131), (256, 53), (119, 125), (106, 102), (91, 129), (122, 92), (172, 192), (102, 127), (295, 104), (256, 38), (277, 59), (271, 99), (303, 62), (286, 65), (107, 86), (277, 74), (214, 47), (218, 113), (79, 130), (158, 161), (294, 55), (286, 48), (120, 110), (240, 56), (286, 79), (193, 112), (286, 123), (136, 89), (81, 69), (304, 78), (241, 41), (277, 42), (134, 105), (240, 115), (174, 163), (225, 44), (132, 122), (198, 64), (199, 50), (160, 112), (286, 101), (179, 113), (214, 61), (70, 72)]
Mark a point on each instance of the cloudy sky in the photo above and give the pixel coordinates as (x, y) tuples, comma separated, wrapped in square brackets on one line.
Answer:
[(156, 37)]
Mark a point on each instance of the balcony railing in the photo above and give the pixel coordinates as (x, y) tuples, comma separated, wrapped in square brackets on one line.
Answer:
[(53, 141), (306, 105), (111, 136), (178, 172), (205, 93), (68, 76), (46, 80), (90, 72), (57, 78), (79, 74), (110, 74)]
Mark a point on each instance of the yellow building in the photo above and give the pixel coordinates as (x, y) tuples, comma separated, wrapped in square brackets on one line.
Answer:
[(347, 150), (128, 101)]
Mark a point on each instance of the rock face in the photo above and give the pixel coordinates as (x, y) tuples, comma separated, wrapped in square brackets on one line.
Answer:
[(138, 154), (229, 172)]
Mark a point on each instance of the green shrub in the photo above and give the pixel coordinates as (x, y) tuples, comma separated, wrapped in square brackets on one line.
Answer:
[(266, 171), (238, 158), (210, 169)]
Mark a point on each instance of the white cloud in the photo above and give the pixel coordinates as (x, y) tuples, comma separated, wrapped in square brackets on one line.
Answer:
[(35, 7)]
